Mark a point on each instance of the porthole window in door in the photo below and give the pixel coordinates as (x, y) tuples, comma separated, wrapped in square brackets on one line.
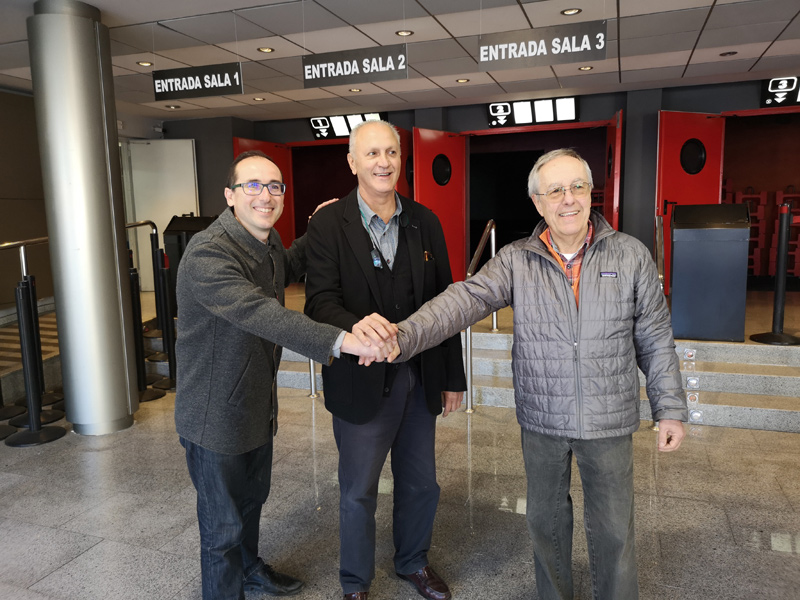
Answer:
[(693, 156), (442, 169)]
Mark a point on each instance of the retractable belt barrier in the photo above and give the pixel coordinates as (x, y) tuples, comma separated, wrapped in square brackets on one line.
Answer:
[(32, 367), (143, 379), (777, 337)]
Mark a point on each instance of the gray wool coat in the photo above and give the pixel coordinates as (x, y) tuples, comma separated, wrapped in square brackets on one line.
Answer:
[(574, 367), (231, 326)]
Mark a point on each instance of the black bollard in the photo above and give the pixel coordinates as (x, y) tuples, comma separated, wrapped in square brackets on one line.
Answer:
[(27, 335), (158, 262), (145, 394), (169, 335), (48, 398), (776, 337), (36, 434)]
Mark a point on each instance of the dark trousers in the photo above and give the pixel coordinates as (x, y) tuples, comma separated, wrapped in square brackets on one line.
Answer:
[(404, 426), (231, 489), (606, 470)]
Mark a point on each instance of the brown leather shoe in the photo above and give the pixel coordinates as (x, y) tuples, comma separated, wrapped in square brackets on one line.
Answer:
[(356, 596), (428, 584)]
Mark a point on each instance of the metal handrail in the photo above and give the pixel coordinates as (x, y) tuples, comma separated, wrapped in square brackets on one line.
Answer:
[(660, 250), (23, 260), (488, 234)]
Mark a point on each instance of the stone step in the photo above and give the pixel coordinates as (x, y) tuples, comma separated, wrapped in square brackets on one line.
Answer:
[(752, 353)]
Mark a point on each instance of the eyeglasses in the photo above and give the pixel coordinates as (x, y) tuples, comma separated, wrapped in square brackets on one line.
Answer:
[(579, 189), (254, 188)]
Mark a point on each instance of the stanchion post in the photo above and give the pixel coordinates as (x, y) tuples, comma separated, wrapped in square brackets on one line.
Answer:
[(36, 434), (158, 262), (145, 395), (776, 336), (312, 373), (168, 335)]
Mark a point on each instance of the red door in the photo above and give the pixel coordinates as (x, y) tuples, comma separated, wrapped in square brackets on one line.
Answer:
[(613, 163), (690, 147), (282, 156), (440, 183), (404, 186)]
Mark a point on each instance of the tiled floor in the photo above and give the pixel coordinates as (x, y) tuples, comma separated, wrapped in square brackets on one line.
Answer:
[(113, 517)]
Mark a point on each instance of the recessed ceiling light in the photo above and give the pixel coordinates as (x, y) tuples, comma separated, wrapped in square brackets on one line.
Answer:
[(404, 32), (173, 106), (729, 53), (462, 80), (258, 99), (144, 63), (568, 12), (266, 50), (355, 90), (585, 68)]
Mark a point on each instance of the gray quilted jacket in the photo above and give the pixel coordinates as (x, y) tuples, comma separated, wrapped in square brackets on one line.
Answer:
[(574, 368)]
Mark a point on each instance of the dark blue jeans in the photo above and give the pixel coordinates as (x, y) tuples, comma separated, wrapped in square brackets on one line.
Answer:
[(606, 470), (231, 489), (406, 427)]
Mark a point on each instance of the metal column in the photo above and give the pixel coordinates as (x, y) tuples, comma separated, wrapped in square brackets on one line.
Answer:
[(76, 120)]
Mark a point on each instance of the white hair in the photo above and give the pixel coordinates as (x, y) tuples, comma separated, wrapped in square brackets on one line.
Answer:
[(358, 126), (533, 178)]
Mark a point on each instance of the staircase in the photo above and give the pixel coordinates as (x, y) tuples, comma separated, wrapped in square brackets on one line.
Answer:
[(749, 386)]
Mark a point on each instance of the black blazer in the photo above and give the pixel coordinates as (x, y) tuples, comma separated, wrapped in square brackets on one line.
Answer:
[(342, 288)]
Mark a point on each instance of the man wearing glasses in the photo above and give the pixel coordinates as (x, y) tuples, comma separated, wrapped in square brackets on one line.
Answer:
[(231, 327), (587, 309)]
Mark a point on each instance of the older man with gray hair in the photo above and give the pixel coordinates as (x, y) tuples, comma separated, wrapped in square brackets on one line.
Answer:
[(588, 309)]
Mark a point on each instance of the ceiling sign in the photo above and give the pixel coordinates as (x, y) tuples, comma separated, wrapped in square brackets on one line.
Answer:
[(355, 66), (781, 91), (533, 112), (197, 82), (556, 45)]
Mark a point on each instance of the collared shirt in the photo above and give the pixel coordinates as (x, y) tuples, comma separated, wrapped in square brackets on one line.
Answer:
[(572, 266), (384, 236)]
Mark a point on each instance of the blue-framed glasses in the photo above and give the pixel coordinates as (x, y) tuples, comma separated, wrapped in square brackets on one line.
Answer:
[(254, 188)]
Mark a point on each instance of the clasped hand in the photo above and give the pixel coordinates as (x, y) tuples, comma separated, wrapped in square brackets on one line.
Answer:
[(373, 339)]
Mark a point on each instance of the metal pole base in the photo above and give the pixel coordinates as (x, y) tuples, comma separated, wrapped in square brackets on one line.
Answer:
[(165, 384), (35, 438), (49, 398), (148, 395), (776, 339), (158, 357), (151, 378), (59, 406), (9, 412), (152, 333), (6, 430), (47, 416), (469, 411)]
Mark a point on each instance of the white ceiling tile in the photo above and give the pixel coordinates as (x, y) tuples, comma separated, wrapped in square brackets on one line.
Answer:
[(444, 67), (629, 8), (184, 106), (425, 29), (250, 98), (19, 72), (304, 94), (407, 85), (784, 47), (217, 28), (522, 74), (249, 48), (743, 51), (344, 90), (718, 67), (449, 81), (440, 7), (545, 14), (599, 66), (660, 74), (373, 11), (128, 61), (653, 61), (332, 40), (215, 102), (475, 91), (292, 17), (481, 22), (198, 56)]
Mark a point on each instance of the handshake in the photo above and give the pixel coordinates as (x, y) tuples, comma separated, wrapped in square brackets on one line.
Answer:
[(373, 339)]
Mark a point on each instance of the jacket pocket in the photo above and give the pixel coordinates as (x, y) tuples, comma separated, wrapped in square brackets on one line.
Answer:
[(239, 382)]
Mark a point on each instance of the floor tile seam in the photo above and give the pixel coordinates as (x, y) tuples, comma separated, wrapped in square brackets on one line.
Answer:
[(100, 540)]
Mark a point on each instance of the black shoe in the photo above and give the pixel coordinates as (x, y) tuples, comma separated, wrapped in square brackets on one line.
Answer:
[(268, 581)]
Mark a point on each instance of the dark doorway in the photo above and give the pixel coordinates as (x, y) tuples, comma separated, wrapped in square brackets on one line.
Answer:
[(319, 173)]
